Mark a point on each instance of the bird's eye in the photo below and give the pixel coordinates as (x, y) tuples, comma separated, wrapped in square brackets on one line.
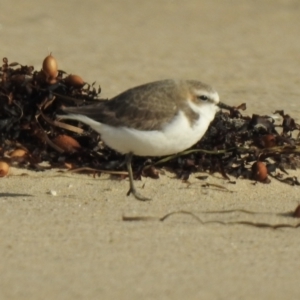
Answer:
[(203, 97)]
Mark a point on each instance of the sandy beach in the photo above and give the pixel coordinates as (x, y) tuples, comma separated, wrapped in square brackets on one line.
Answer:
[(62, 235)]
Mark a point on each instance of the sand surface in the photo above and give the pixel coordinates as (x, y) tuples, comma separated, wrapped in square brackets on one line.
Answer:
[(75, 245)]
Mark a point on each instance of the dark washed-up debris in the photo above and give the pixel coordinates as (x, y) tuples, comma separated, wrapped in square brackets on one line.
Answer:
[(293, 214), (238, 145)]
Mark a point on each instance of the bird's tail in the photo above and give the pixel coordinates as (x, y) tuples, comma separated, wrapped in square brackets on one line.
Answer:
[(97, 126)]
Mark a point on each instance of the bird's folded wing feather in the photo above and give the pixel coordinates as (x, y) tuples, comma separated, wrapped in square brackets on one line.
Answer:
[(147, 107)]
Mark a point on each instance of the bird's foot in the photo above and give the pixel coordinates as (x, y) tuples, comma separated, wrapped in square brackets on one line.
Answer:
[(137, 195)]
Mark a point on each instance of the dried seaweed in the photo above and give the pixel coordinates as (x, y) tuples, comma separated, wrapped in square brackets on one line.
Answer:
[(235, 144)]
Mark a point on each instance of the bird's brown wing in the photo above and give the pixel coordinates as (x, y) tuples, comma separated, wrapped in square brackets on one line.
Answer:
[(146, 107)]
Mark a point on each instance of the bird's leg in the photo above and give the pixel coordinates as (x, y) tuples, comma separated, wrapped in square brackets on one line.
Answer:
[(132, 189)]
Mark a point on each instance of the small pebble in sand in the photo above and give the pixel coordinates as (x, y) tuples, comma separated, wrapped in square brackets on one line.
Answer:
[(53, 193)]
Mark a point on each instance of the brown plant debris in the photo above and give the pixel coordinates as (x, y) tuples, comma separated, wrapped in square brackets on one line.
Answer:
[(235, 144), (294, 214)]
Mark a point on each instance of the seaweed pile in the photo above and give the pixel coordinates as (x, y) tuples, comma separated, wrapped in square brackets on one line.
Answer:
[(235, 144)]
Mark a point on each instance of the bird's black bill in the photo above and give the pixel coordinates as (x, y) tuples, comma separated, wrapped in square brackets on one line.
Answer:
[(224, 106)]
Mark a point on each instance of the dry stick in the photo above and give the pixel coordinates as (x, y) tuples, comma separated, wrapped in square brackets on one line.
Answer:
[(279, 149), (45, 136), (221, 187), (77, 170), (55, 122)]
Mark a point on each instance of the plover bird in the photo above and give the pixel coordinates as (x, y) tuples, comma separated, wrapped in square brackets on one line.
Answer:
[(155, 119)]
